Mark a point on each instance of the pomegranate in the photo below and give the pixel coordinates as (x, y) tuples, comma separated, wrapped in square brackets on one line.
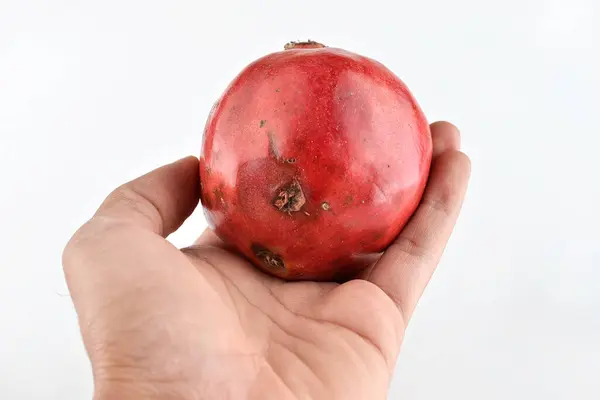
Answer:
[(312, 162)]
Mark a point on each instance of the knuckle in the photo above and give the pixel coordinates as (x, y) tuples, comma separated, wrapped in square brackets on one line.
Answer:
[(125, 202), (406, 245), (87, 238)]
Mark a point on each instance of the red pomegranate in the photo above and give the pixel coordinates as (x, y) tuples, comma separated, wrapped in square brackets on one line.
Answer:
[(312, 162)]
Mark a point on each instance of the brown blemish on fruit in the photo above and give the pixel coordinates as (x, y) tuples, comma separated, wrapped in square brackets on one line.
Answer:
[(345, 96), (234, 113), (219, 196), (273, 152), (290, 198), (325, 206), (262, 122), (290, 160), (268, 258)]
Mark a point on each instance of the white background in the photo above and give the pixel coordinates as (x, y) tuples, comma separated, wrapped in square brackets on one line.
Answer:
[(93, 93)]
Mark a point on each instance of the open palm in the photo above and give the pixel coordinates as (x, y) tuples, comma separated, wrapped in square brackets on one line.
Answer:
[(202, 323)]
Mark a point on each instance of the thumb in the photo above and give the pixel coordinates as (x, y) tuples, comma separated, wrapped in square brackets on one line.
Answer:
[(102, 263), (117, 267), (159, 201)]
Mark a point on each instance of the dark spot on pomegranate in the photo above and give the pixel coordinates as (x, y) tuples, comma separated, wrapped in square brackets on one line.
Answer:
[(263, 122), (278, 90), (290, 198), (234, 114), (273, 152), (268, 258), (291, 160), (325, 206), (219, 196)]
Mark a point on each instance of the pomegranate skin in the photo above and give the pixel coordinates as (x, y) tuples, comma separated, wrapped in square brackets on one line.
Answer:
[(312, 162)]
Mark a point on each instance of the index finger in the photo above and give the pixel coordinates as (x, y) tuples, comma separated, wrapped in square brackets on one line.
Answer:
[(405, 268)]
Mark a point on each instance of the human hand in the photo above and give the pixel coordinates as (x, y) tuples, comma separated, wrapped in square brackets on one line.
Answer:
[(202, 323)]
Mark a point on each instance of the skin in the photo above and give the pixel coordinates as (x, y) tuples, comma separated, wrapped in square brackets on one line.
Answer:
[(201, 323), (337, 129)]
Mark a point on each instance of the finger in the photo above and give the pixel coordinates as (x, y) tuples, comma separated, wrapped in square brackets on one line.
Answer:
[(159, 201), (119, 250), (407, 265), (445, 137)]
